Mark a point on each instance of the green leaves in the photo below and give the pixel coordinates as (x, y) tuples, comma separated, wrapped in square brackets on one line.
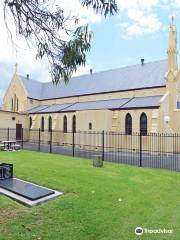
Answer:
[(104, 7), (74, 54), (50, 32)]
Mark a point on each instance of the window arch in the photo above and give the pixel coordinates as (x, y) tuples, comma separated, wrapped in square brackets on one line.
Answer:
[(12, 104), (74, 123), (50, 124), (128, 124), (143, 124), (90, 126), (17, 105), (30, 122), (65, 124), (42, 124)]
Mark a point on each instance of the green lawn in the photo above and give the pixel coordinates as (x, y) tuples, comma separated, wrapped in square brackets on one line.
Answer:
[(98, 204)]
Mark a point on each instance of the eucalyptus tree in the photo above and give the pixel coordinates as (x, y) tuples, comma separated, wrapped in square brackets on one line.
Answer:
[(48, 29)]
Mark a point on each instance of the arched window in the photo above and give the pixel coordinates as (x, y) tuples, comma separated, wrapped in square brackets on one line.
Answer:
[(90, 126), (30, 122), (42, 124), (128, 124), (74, 123), (65, 124), (143, 124), (12, 104), (17, 107), (50, 124)]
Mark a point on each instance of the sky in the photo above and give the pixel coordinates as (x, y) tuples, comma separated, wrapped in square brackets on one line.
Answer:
[(139, 30)]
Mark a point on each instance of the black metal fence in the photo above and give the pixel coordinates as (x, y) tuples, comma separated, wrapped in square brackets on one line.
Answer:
[(155, 150)]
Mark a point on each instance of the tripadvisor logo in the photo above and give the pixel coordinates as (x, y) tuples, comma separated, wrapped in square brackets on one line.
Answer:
[(139, 231)]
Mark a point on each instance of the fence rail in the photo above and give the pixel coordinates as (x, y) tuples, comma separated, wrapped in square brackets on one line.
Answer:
[(155, 150)]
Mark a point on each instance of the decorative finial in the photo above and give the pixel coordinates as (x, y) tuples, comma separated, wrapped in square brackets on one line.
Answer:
[(172, 20), (16, 67)]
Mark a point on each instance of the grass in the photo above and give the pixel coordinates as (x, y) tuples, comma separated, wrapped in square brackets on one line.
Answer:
[(98, 204)]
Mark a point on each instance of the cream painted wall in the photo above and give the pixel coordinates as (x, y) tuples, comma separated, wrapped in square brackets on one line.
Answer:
[(176, 121), (7, 122), (31, 103), (135, 114), (15, 88), (100, 119)]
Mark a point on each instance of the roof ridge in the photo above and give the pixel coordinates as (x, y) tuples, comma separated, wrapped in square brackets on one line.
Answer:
[(117, 68), (103, 71), (30, 79)]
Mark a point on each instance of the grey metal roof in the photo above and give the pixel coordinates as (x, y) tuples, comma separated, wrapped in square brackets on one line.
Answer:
[(34, 88), (128, 103), (140, 102), (95, 105), (124, 78), (37, 109), (56, 108)]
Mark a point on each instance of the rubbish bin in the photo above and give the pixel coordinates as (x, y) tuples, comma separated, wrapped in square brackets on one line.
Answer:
[(97, 161)]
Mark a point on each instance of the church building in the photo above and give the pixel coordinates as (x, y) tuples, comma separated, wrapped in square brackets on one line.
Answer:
[(140, 98)]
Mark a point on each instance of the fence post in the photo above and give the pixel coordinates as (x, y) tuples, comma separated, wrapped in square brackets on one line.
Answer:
[(73, 142), (8, 134), (22, 137), (140, 149), (50, 150), (102, 145), (39, 141)]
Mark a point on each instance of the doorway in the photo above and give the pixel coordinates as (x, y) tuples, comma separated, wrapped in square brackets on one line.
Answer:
[(18, 131)]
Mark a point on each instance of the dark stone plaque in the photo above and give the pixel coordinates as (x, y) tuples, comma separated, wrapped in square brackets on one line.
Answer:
[(6, 170), (27, 190)]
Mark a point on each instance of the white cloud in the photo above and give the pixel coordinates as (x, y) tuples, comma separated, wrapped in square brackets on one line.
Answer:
[(75, 8), (141, 17), (150, 24), (138, 4)]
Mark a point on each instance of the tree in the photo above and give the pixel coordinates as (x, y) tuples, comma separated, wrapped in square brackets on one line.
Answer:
[(43, 27)]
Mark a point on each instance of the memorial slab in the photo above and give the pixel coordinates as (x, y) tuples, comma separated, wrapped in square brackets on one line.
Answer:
[(26, 193), (27, 190)]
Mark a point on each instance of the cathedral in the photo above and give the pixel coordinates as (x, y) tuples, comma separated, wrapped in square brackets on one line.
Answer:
[(140, 98)]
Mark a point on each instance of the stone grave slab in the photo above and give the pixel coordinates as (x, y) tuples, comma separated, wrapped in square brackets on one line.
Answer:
[(25, 189)]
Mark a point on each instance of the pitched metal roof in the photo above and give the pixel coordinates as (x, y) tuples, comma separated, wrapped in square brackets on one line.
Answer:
[(141, 102), (56, 108), (121, 79), (37, 109), (95, 105), (34, 88), (124, 103)]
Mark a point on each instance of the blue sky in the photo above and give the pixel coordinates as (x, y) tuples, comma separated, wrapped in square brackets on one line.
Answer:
[(139, 30)]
